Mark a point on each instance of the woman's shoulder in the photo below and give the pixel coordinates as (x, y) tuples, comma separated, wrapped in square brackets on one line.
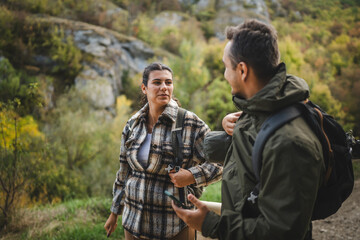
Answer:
[(134, 119), (194, 119)]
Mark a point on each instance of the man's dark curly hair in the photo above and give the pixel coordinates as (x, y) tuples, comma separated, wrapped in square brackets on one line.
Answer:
[(254, 43)]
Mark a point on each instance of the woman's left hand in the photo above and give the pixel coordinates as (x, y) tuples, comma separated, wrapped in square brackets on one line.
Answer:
[(182, 178)]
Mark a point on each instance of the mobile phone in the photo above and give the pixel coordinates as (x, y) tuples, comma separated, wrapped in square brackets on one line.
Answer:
[(177, 201)]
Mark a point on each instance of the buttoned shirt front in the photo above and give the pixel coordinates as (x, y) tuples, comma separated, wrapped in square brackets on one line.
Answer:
[(139, 191)]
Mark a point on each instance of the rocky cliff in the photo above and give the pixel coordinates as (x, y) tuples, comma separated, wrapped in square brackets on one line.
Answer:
[(114, 56)]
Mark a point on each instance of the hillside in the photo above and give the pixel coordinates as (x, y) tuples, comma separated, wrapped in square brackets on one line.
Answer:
[(70, 75)]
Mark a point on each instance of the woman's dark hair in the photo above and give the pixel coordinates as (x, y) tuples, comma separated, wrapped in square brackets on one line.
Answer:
[(254, 43), (155, 66)]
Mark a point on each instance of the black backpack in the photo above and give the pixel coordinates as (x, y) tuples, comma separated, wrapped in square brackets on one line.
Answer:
[(339, 177)]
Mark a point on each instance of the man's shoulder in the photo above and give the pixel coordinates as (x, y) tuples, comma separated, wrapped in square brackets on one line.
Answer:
[(296, 133)]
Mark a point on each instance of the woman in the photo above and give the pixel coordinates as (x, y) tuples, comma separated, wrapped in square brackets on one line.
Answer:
[(145, 155)]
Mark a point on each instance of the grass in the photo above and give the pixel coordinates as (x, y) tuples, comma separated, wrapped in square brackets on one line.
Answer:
[(75, 219), (78, 219), (212, 193), (83, 219)]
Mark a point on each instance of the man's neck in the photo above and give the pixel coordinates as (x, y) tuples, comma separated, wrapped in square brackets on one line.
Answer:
[(254, 85)]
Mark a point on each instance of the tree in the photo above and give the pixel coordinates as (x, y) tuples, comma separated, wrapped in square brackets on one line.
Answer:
[(18, 149)]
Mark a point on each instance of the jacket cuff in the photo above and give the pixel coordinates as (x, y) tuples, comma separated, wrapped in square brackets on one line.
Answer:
[(117, 209), (209, 226), (199, 176)]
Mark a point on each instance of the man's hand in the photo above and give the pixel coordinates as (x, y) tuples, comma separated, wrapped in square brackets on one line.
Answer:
[(182, 178), (228, 122), (111, 224), (193, 218)]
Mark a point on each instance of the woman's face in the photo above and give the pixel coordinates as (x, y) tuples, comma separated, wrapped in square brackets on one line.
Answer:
[(159, 88)]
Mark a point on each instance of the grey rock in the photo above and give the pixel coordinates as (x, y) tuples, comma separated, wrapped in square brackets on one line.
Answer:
[(234, 12), (97, 90), (168, 19), (44, 62), (203, 5), (111, 53)]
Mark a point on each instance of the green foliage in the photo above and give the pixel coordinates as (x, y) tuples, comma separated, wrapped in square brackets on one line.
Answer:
[(143, 29), (54, 183), (86, 142), (17, 85), (327, 35), (20, 150), (166, 35), (74, 219), (213, 54), (64, 53), (26, 40), (189, 73), (219, 103), (291, 54), (212, 193)]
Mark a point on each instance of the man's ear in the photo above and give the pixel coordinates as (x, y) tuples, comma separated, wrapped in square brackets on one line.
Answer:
[(242, 70), (143, 88)]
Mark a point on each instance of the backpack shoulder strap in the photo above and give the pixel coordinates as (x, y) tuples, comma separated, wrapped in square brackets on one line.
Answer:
[(176, 137), (178, 145), (271, 124)]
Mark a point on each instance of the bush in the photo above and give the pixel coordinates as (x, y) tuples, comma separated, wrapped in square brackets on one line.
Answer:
[(20, 152), (86, 142), (15, 84)]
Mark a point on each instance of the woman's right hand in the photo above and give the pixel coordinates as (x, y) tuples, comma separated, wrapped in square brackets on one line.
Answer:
[(228, 122), (111, 224)]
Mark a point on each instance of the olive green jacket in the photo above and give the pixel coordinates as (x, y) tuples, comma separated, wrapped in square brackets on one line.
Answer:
[(291, 173)]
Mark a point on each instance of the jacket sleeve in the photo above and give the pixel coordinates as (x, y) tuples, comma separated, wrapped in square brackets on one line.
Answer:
[(122, 173), (205, 172), (290, 177)]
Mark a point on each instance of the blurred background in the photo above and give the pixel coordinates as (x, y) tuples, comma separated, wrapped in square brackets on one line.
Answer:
[(70, 75)]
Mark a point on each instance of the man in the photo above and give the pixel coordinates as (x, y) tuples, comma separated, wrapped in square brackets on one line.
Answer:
[(292, 165)]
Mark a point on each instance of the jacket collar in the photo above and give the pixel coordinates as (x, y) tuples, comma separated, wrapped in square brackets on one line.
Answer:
[(170, 112), (281, 91)]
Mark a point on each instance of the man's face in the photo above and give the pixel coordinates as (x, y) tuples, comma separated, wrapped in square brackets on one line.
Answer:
[(230, 74)]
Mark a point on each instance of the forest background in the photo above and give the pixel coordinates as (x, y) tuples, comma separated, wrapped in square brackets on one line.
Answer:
[(59, 147)]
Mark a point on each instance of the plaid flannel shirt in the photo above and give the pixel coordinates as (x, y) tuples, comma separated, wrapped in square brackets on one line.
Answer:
[(139, 194)]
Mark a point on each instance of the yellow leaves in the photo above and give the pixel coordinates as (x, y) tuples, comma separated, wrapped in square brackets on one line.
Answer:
[(121, 103), (12, 126), (122, 115), (291, 54)]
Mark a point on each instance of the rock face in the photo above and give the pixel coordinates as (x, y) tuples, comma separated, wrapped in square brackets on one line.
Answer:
[(112, 55), (231, 12)]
